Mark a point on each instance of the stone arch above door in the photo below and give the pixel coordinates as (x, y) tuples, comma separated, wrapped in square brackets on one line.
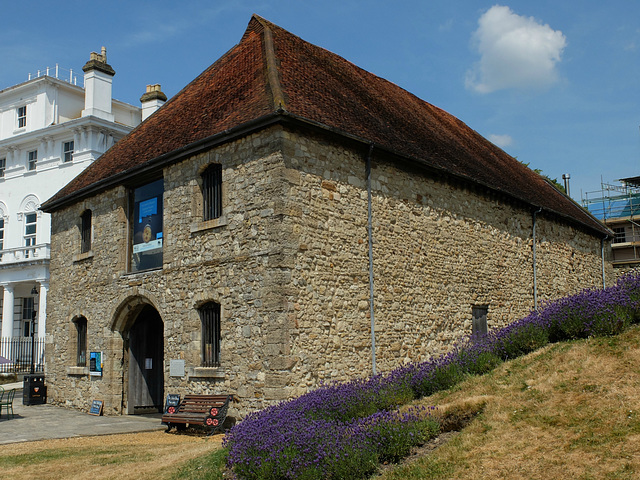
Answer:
[(128, 306)]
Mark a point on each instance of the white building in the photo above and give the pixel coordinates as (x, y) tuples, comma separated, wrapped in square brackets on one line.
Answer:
[(50, 130)]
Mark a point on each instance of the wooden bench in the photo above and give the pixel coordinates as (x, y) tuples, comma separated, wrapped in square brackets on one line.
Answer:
[(207, 411)]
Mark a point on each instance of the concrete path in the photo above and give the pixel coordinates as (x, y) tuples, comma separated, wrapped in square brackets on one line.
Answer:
[(41, 422)]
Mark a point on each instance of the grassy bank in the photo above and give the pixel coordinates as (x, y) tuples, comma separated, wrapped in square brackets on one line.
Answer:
[(570, 410)]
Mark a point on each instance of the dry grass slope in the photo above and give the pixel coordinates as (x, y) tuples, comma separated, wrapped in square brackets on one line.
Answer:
[(568, 411)]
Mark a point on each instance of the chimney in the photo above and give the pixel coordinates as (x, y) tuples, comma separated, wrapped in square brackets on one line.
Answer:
[(152, 100), (98, 79)]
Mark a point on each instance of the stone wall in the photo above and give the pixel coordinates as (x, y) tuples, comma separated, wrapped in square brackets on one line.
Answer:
[(288, 262), (439, 248), (239, 261), (621, 270)]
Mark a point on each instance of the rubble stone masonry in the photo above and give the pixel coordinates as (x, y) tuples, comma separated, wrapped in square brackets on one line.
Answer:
[(288, 263)]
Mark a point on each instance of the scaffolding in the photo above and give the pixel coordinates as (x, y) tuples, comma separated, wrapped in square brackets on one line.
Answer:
[(618, 207)]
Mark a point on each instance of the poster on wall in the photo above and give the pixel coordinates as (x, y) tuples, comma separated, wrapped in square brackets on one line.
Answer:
[(147, 226), (95, 364)]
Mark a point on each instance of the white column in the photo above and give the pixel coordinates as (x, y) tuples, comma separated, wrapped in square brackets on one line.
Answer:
[(76, 140), (42, 310), (7, 319), (7, 311)]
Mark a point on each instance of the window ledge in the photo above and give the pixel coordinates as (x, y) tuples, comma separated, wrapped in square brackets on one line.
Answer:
[(206, 372), (82, 371), (209, 224), (82, 256)]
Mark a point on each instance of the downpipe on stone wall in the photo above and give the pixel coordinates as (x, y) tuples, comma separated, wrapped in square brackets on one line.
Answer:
[(370, 235), (604, 281), (535, 270)]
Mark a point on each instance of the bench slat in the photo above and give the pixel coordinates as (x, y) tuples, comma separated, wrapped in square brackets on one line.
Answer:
[(196, 410)]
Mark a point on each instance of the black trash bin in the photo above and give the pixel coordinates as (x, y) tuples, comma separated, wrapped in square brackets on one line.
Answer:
[(34, 391)]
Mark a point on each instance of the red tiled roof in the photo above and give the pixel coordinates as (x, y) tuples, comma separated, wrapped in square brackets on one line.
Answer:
[(272, 73)]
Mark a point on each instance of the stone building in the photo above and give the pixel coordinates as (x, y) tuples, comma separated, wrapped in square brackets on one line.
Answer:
[(280, 216)]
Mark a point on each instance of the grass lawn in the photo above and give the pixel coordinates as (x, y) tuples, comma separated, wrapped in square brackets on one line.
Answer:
[(139, 456)]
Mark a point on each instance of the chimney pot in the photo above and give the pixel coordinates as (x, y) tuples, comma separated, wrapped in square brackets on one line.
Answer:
[(152, 100)]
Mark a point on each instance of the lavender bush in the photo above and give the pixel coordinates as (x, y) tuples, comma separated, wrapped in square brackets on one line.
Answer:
[(281, 442), (342, 431)]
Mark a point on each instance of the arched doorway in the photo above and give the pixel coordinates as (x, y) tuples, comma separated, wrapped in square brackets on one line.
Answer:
[(146, 362)]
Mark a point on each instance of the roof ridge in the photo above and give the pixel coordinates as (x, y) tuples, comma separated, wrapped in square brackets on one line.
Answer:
[(261, 26)]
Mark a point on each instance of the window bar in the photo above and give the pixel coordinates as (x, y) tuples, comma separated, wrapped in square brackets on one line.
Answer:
[(211, 335), (212, 192)]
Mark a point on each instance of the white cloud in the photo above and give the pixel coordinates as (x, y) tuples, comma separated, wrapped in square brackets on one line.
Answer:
[(515, 52), (501, 141)]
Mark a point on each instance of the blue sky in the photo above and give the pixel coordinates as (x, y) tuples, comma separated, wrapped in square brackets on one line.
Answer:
[(554, 83)]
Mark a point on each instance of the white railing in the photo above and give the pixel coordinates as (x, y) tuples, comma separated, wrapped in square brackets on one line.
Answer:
[(18, 351), (25, 254), (68, 75)]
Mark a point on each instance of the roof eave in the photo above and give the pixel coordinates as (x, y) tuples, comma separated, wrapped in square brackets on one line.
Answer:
[(280, 116)]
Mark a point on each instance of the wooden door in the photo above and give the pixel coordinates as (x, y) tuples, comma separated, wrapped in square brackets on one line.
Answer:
[(146, 363)]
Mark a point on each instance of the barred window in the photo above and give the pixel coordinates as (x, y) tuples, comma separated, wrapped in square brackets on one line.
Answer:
[(85, 232), (210, 317), (212, 192), (81, 342)]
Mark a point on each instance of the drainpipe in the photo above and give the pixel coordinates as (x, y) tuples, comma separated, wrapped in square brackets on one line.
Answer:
[(604, 282), (535, 271), (370, 234)]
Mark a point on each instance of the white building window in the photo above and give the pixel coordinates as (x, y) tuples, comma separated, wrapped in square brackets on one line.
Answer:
[(67, 151), (27, 317), (30, 223), (22, 116), (1, 236), (33, 159), (3, 166)]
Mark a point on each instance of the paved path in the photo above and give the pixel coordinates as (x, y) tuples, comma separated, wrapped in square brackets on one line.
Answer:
[(41, 422)]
